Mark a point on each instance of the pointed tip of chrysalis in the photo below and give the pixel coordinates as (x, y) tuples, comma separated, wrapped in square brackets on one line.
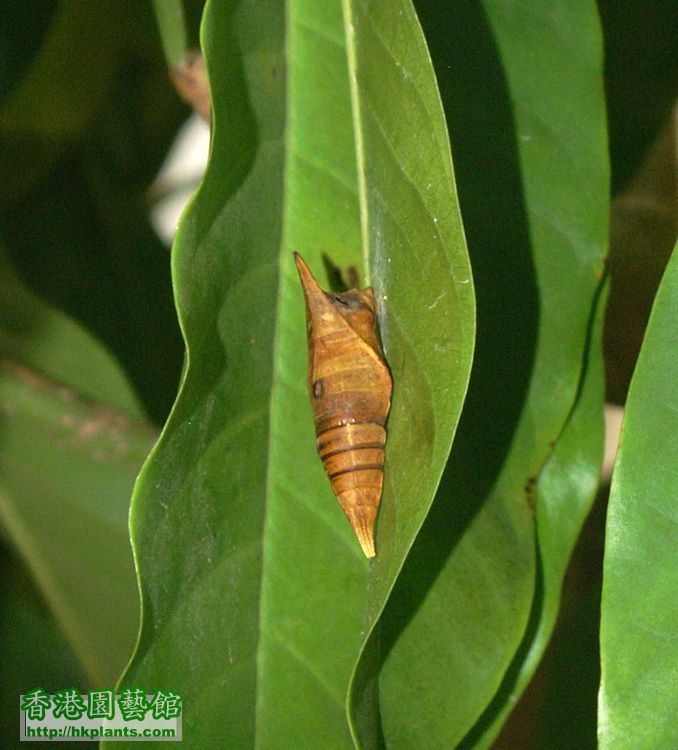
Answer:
[(308, 281), (362, 520), (360, 506), (301, 264), (366, 542)]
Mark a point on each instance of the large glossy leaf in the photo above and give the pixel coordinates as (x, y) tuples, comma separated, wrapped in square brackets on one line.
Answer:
[(253, 584), (563, 495), (249, 575), (639, 692), (521, 86), (413, 232), (71, 443)]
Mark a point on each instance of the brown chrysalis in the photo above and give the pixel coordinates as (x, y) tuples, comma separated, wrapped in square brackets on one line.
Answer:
[(350, 388)]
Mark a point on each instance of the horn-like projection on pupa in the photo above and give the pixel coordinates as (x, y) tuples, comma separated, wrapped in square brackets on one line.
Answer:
[(350, 388)]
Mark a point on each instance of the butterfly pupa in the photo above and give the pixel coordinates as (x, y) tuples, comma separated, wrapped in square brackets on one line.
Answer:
[(350, 388)]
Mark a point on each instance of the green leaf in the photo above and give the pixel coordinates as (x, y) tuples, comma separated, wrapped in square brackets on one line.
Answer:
[(70, 448), (564, 493), (172, 26), (253, 583), (639, 692), (40, 338), (413, 230), (461, 608)]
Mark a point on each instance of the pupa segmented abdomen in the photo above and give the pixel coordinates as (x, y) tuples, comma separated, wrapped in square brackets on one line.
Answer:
[(350, 388)]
